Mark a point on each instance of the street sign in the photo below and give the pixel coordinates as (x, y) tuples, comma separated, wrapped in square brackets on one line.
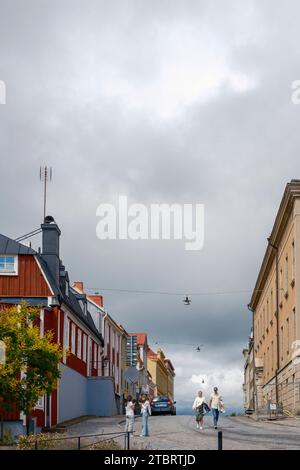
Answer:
[(273, 406)]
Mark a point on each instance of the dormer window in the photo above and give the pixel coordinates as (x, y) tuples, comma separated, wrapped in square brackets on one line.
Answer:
[(8, 265), (83, 306)]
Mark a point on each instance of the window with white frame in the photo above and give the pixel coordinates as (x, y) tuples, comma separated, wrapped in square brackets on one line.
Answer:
[(8, 265), (42, 316), (73, 335), (79, 335), (40, 403), (84, 341)]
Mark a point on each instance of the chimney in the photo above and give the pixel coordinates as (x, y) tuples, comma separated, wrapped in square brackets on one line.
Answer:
[(78, 285), (98, 299), (50, 246)]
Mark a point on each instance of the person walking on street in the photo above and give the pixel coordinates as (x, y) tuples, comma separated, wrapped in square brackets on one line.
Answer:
[(129, 410), (215, 403), (145, 412), (200, 407)]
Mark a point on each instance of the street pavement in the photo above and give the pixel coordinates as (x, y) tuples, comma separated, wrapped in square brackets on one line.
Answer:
[(180, 433)]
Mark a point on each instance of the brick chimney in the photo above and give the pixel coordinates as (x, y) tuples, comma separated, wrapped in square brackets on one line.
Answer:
[(78, 285), (97, 298)]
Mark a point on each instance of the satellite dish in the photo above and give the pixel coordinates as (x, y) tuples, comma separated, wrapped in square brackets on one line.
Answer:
[(132, 374), (49, 219)]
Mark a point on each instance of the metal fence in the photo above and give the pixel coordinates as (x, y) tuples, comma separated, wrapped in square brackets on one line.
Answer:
[(86, 441)]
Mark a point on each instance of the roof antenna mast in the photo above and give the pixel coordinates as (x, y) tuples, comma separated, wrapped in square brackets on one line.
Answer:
[(45, 176)]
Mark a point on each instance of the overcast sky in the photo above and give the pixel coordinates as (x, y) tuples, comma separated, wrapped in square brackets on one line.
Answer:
[(165, 102)]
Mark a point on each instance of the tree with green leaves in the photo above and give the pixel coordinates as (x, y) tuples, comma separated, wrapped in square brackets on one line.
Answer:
[(30, 368)]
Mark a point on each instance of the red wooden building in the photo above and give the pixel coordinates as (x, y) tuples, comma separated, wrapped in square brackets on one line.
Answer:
[(40, 279)]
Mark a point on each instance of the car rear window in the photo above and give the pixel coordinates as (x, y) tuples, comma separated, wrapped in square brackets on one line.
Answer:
[(160, 399)]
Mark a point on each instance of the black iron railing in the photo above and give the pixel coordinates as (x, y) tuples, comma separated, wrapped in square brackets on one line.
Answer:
[(80, 444)]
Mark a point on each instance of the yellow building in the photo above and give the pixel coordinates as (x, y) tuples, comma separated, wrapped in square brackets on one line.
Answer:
[(162, 373), (275, 304), (171, 377)]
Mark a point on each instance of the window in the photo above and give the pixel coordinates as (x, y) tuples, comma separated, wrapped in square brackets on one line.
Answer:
[(84, 348), (261, 327), (271, 304), (267, 314), (40, 403), (282, 343), (287, 335), (280, 285), (42, 316), (286, 273), (79, 335), (293, 261), (8, 265), (294, 324), (272, 355), (73, 338)]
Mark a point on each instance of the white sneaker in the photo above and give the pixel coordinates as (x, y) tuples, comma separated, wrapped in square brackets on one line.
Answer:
[(197, 426), (201, 427)]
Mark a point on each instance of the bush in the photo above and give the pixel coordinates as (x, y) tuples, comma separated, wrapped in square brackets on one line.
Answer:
[(7, 439), (44, 441), (105, 445)]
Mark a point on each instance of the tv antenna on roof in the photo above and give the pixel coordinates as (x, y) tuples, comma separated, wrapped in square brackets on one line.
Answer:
[(45, 176)]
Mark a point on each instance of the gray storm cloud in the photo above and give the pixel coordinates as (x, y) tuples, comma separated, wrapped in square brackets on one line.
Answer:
[(166, 102)]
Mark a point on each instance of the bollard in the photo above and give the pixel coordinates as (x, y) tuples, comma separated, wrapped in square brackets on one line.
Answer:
[(220, 440), (128, 441), (78, 446)]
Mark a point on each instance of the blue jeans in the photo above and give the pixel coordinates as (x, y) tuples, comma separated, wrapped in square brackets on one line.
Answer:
[(145, 431), (215, 413)]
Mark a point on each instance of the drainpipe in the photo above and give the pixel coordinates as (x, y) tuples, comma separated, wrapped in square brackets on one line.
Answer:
[(254, 397), (277, 319)]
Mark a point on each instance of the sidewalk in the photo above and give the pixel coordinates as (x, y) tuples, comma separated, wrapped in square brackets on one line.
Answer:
[(279, 421), (91, 424)]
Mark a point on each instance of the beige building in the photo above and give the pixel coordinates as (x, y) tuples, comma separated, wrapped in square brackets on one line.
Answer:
[(275, 304)]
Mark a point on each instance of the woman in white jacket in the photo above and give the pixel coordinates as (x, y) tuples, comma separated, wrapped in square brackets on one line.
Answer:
[(145, 412), (199, 406)]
